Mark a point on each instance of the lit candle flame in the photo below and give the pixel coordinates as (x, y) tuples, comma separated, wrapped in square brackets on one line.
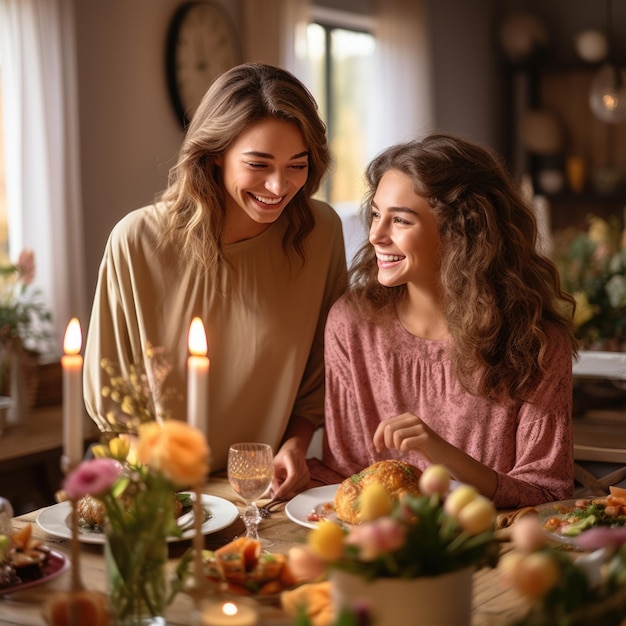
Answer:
[(197, 338), (230, 608), (73, 340)]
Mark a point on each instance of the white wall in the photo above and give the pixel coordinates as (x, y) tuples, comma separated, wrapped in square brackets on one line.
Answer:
[(128, 133), (129, 136)]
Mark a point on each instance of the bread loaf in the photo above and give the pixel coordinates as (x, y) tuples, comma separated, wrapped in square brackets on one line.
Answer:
[(398, 478)]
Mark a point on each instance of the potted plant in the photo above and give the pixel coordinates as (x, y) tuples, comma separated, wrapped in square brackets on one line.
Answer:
[(409, 562), (25, 328), (592, 267), (565, 589)]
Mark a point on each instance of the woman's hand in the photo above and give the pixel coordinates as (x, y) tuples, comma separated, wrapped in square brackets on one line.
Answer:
[(291, 473), (406, 432)]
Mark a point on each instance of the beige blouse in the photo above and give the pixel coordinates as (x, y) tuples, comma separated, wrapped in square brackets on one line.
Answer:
[(265, 337)]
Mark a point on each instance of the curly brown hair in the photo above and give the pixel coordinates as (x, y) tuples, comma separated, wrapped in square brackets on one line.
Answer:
[(195, 194), (500, 294)]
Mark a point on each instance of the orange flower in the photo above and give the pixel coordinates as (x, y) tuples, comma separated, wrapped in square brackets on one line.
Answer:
[(176, 450)]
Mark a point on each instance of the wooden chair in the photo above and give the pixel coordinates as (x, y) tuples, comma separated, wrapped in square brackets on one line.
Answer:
[(600, 435)]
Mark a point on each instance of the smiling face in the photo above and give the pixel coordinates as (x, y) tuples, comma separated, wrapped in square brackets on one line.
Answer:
[(262, 171), (404, 234)]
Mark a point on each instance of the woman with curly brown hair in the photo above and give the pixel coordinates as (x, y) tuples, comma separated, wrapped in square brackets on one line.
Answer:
[(454, 344), (237, 240)]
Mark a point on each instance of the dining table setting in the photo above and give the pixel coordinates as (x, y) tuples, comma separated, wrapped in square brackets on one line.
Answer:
[(285, 526), (141, 528)]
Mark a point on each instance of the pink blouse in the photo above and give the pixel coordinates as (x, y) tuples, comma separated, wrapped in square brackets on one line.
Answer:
[(378, 370)]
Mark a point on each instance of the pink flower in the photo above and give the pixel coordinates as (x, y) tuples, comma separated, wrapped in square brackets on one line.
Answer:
[(376, 538), (600, 537), (527, 534), (304, 564), (92, 477), (435, 479), (26, 266)]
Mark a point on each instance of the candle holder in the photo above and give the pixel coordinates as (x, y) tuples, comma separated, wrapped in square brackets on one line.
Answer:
[(78, 606), (198, 588), (226, 610)]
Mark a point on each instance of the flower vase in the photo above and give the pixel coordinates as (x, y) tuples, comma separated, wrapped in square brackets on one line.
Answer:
[(444, 600), (136, 569)]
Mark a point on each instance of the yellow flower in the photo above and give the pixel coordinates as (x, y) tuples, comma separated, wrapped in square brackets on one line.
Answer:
[(100, 451), (584, 310), (458, 499), (326, 541), (477, 516), (375, 502), (535, 574), (177, 450), (599, 231), (119, 447), (128, 406), (435, 479), (507, 567)]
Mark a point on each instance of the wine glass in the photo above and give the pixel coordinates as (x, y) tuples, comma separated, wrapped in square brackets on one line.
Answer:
[(250, 471)]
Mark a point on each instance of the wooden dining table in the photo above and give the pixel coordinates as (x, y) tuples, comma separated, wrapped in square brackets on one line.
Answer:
[(493, 603)]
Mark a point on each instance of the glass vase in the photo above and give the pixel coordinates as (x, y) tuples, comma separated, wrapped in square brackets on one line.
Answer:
[(136, 569)]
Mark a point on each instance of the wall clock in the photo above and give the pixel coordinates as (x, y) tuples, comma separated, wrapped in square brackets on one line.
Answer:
[(201, 44)]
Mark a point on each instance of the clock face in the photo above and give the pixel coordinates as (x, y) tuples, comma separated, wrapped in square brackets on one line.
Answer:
[(202, 43)]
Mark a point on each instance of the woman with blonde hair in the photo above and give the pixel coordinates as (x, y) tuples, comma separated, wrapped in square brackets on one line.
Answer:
[(237, 240), (454, 343)]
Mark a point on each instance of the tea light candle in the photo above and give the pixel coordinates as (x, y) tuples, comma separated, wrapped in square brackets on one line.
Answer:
[(198, 378), (72, 365), (228, 613)]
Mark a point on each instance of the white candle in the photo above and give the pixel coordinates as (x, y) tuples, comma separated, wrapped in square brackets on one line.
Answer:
[(72, 364), (198, 378), (227, 613)]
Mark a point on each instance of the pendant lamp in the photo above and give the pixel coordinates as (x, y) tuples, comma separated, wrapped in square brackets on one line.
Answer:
[(607, 97)]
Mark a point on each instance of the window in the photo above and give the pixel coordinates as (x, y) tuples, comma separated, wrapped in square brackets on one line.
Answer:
[(4, 222), (341, 61)]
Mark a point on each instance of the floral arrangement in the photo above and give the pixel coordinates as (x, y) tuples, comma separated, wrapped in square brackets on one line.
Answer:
[(136, 481), (139, 397), (592, 267), (23, 315), (565, 590), (437, 532)]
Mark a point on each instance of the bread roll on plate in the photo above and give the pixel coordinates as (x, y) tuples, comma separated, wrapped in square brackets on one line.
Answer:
[(398, 478)]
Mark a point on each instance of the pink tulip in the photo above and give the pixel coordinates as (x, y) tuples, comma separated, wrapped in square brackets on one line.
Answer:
[(377, 538), (92, 477), (527, 534), (600, 537), (304, 565), (26, 266), (435, 479)]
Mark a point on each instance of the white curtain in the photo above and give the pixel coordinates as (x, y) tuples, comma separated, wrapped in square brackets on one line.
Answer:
[(275, 32), (403, 108), (402, 105), (41, 149)]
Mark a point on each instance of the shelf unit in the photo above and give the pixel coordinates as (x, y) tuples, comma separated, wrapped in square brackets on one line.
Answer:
[(563, 91)]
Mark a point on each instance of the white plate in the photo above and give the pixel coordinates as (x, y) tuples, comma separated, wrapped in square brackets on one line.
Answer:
[(55, 520), (562, 507), (300, 507)]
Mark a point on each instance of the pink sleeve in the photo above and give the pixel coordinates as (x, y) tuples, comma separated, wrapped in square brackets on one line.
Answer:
[(544, 457)]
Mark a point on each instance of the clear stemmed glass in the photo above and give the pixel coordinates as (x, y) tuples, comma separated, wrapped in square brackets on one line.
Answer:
[(250, 472)]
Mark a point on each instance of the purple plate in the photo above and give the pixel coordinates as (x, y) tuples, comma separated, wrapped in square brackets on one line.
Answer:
[(55, 564)]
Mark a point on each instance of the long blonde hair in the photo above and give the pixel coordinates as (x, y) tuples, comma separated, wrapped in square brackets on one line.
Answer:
[(500, 294), (195, 194)]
